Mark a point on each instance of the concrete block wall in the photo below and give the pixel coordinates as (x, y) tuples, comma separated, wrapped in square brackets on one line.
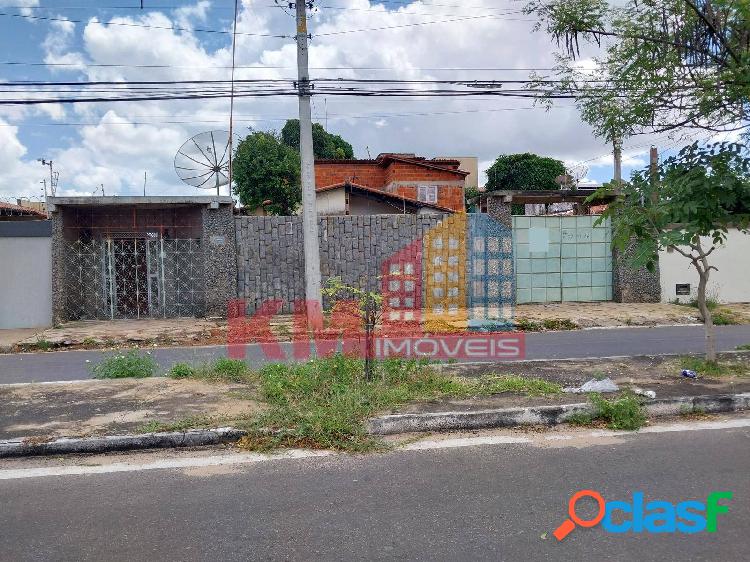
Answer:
[(270, 260)]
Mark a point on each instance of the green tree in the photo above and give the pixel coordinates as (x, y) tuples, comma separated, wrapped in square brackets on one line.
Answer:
[(687, 205), (265, 169), (524, 172), (663, 65), (325, 145)]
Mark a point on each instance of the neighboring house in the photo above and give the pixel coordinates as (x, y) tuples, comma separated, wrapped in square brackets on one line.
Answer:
[(468, 164), (390, 183), (12, 212)]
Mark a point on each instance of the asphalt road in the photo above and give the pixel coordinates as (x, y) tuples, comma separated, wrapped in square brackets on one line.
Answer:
[(491, 502), (74, 365)]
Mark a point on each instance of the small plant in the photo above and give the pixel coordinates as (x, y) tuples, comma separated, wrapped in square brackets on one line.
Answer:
[(181, 371), (580, 418), (90, 342), (713, 368), (625, 412), (43, 345), (743, 347), (231, 369), (127, 365), (559, 324), (724, 317), (526, 325)]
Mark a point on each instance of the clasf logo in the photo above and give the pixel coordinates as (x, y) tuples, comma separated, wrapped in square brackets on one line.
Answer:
[(653, 517), (345, 333)]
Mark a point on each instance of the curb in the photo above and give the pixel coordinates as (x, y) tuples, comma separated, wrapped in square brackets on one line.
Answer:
[(111, 443), (545, 415)]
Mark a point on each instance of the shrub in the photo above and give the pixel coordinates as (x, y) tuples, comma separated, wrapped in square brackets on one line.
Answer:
[(181, 371), (128, 365), (625, 412)]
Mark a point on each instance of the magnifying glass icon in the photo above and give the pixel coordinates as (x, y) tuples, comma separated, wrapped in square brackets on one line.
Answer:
[(569, 524)]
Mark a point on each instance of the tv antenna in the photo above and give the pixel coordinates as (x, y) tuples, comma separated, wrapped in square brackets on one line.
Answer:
[(203, 160)]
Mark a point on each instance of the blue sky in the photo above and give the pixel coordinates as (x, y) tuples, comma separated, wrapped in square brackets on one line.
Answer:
[(115, 143)]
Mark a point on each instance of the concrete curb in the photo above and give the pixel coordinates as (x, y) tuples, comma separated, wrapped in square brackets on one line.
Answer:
[(191, 438), (545, 415)]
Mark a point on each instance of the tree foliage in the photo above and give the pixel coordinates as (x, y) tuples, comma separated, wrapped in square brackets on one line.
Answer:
[(524, 172), (666, 65), (687, 205), (266, 170), (325, 145)]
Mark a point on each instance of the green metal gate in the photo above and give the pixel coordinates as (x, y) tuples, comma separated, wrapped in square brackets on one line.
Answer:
[(562, 259)]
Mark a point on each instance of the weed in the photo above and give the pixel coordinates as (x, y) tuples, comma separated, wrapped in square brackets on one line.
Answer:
[(693, 412), (180, 371), (230, 369), (559, 324), (221, 370), (43, 345), (130, 364), (714, 368), (324, 403), (724, 317), (90, 342), (526, 325), (743, 347), (625, 412)]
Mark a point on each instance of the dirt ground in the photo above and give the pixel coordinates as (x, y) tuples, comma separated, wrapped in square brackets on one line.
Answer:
[(660, 374), (92, 334), (116, 406)]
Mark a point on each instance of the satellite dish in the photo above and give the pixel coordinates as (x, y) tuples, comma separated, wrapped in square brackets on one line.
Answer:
[(203, 161)]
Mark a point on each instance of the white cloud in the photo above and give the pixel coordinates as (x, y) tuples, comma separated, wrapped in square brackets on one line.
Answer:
[(23, 5), (114, 152)]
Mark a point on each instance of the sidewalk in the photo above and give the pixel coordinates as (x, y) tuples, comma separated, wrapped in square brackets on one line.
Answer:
[(166, 332)]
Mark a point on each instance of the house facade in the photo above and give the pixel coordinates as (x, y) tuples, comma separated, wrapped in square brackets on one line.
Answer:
[(390, 183)]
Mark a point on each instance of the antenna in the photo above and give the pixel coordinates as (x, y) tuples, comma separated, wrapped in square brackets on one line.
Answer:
[(203, 160)]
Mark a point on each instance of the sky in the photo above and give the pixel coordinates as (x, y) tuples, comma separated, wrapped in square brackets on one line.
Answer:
[(108, 147)]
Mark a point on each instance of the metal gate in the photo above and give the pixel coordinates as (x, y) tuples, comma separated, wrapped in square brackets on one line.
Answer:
[(133, 278), (562, 259)]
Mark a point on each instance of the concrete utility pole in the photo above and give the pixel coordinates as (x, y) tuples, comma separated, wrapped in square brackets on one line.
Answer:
[(617, 145), (309, 208)]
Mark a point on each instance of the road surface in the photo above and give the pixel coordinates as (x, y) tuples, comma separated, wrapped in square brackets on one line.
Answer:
[(481, 502), (75, 365)]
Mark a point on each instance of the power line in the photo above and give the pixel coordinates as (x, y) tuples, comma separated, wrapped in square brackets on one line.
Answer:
[(138, 25)]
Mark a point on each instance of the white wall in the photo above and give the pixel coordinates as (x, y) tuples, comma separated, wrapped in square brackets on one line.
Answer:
[(332, 202), (730, 284), (25, 282)]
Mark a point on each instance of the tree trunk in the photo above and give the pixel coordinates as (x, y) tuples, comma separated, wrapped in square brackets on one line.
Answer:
[(708, 322)]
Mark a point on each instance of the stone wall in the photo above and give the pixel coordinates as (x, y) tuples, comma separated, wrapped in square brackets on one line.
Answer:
[(270, 260), (631, 284), (220, 250)]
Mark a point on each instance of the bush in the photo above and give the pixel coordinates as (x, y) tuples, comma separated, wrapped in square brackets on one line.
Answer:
[(625, 412), (181, 371), (231, 369), (128, 365)]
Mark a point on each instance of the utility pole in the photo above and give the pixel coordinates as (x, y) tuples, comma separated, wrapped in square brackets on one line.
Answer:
[(309, 209), (654, 173), (52, 175), (617, 145)]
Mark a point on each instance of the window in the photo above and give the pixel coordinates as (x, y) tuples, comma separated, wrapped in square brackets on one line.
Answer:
[(427, 193)]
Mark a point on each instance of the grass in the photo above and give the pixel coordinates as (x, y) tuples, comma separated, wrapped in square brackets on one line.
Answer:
[(325, 403), (623, 413), (221, 370), (526, 325), (743, 347), (714, 368), (127, 365)]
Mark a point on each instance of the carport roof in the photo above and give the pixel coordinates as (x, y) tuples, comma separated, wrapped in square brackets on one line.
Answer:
[(154, 201)]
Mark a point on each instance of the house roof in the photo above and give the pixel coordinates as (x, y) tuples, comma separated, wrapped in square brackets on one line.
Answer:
[(443, 164), (10, 209), (384, 194), (547, 196)]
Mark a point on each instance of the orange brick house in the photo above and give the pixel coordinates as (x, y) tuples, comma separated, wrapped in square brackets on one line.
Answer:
[(389, 183)]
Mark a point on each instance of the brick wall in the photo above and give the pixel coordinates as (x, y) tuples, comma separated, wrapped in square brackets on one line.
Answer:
[(270, 262), (364, 173)]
